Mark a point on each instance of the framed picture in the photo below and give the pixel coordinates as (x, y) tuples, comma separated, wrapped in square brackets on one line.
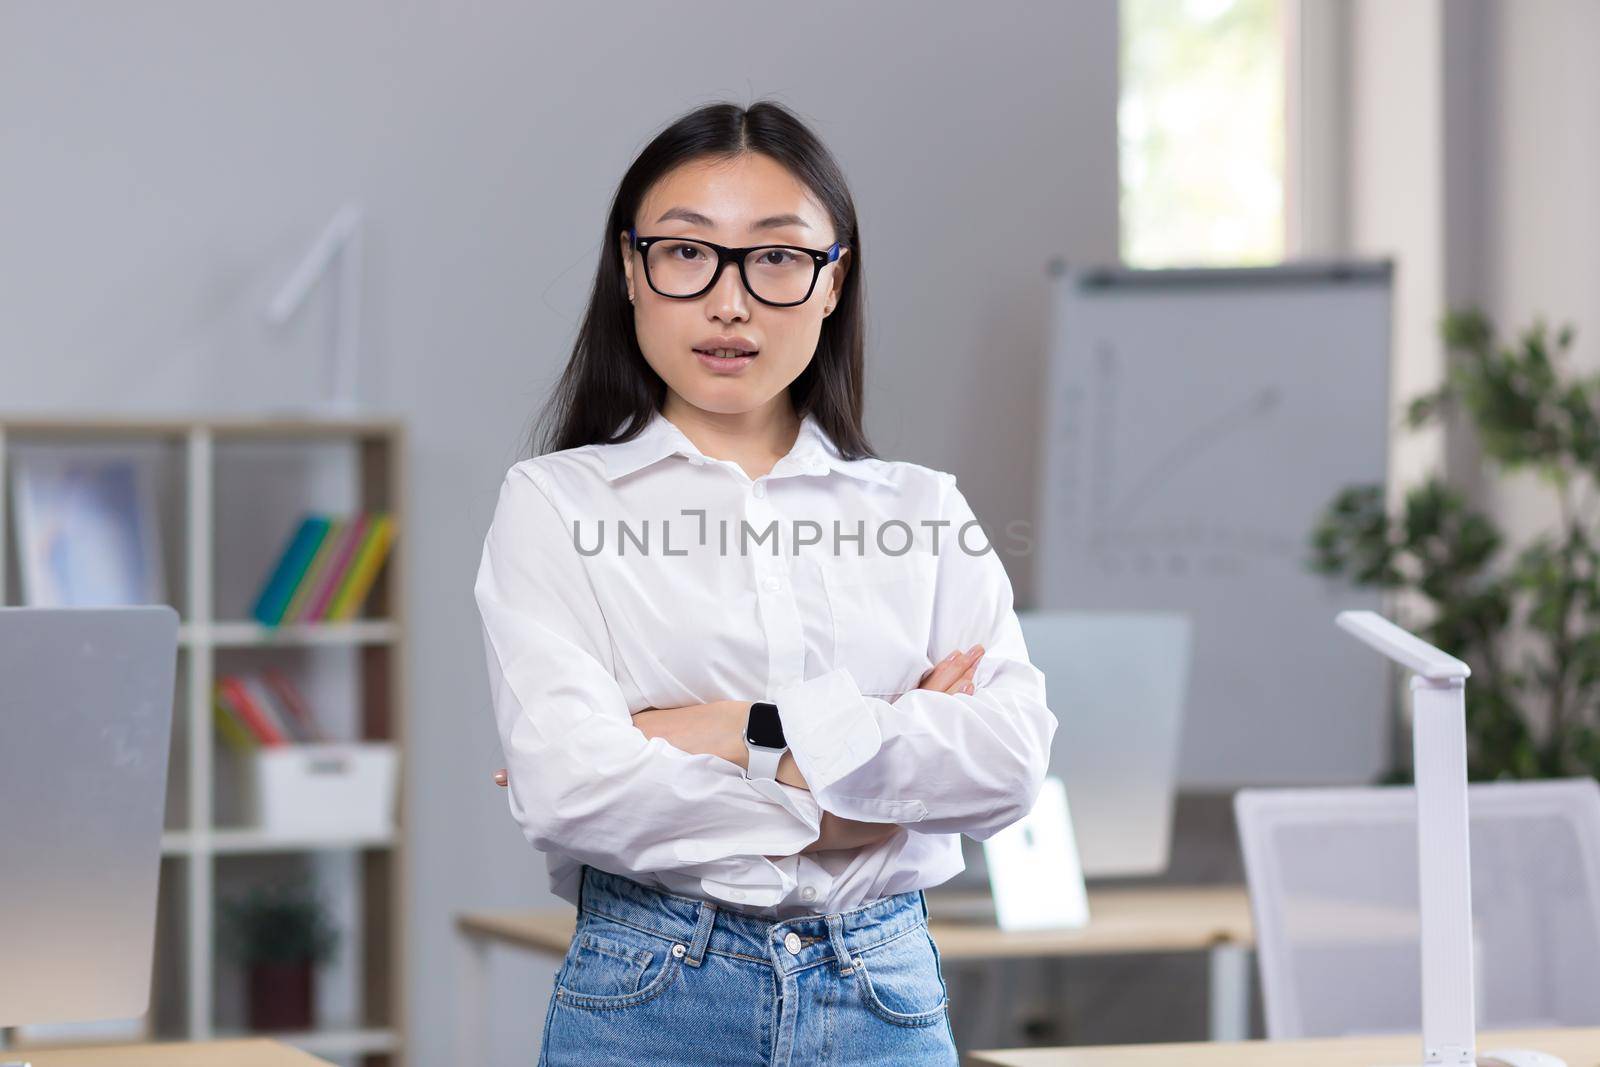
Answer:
[(87, 530)]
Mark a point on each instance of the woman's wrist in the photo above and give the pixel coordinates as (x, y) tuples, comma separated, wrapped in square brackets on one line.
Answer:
[(788, 770), (732, 714), (716, 729)]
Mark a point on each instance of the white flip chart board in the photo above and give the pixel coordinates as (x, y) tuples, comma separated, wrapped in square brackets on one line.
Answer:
[(1198, 421)]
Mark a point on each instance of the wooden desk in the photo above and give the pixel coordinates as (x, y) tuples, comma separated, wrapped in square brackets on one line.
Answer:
[(1213, 919), (1124, 922), (1580, 1048), (252, 1053)]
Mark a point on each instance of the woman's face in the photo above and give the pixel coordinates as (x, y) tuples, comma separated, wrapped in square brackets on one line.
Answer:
[(746, 200)]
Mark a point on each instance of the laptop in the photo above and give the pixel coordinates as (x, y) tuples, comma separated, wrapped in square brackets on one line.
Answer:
[(1116, 682), (85, 730)]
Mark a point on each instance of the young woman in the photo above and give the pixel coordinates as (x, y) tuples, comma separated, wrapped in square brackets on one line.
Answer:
[(752, 682)]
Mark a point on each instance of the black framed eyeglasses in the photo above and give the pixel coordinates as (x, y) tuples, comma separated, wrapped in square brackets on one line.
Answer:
[(777, 275)]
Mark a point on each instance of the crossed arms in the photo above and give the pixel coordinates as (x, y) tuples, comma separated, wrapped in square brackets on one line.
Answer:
[(664, 790)]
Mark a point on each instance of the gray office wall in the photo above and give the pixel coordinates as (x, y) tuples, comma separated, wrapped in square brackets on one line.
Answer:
[(162, 163)]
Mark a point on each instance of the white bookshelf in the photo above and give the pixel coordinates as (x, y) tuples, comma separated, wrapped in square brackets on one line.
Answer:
[(366, 461)]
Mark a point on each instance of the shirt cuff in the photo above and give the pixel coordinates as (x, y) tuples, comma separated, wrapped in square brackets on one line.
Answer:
[(763, 895), (760, 884), (828, 726), (763, 883), (767, 892), (799, 803)]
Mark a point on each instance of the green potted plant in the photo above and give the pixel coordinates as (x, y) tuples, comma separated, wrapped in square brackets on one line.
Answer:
[(278, 934), (1527, 622)]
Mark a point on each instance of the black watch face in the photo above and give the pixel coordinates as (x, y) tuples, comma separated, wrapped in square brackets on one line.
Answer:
[(765, 730)]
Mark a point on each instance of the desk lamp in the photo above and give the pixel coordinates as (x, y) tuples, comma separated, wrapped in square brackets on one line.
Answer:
[(1444, 867)]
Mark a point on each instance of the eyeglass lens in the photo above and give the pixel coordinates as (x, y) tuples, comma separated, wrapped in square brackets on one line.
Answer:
[(683, 267)]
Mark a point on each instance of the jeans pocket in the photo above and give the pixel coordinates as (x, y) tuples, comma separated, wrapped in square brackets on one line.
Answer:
[(610, 965), (900, 979)]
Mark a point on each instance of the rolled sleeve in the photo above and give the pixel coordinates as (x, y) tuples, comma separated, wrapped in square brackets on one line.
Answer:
[(935, 762), (583, 780), (828, 727)]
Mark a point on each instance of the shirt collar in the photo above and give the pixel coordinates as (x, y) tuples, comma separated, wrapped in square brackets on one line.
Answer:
[(813, 451)]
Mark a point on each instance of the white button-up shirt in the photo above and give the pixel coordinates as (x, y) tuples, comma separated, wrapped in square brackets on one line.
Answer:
[(645, 574)]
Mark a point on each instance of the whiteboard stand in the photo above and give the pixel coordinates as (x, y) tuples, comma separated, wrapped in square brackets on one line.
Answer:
[(1444, 866)]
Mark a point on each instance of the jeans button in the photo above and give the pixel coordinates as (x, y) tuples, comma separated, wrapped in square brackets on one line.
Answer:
[(792, 943)]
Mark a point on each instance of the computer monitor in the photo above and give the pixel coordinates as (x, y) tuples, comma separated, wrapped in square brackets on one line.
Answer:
[(85, 729), (1116, 682)]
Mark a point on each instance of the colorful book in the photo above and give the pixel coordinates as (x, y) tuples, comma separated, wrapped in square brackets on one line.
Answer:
[(302, 547), (328, 580), (268, 702), (230, 724), (290, 698), (317, 572), (254, 717), (364, 571), (354, 535)]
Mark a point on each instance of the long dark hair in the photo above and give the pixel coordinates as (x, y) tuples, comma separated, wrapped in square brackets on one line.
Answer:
[(607, 379)]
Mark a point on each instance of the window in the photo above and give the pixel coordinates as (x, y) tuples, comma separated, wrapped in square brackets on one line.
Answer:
[(1200, 130)]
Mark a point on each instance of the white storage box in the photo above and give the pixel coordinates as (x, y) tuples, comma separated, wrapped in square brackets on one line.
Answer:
[(333, 789)]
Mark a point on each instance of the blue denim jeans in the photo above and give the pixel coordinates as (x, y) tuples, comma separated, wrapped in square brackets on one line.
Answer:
[(653, 979)]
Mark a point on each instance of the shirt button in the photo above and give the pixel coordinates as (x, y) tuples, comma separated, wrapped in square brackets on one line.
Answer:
[(808, 893), (774, 584), (792, 943), (760, 489), (736, 894)]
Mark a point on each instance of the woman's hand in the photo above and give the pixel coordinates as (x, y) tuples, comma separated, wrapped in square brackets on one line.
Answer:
[(717, 728), (954, 673)]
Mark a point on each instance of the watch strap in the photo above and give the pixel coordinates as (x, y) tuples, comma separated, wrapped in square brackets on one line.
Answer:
[(764, 740), (764, 761)]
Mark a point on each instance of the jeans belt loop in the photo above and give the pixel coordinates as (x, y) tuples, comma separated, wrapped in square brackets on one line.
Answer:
[(836, 935), (702, 934)]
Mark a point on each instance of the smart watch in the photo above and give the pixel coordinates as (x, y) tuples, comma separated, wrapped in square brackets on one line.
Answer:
[(763, 736)]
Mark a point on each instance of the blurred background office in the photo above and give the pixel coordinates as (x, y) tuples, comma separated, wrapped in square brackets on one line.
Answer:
[(165, 166)]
